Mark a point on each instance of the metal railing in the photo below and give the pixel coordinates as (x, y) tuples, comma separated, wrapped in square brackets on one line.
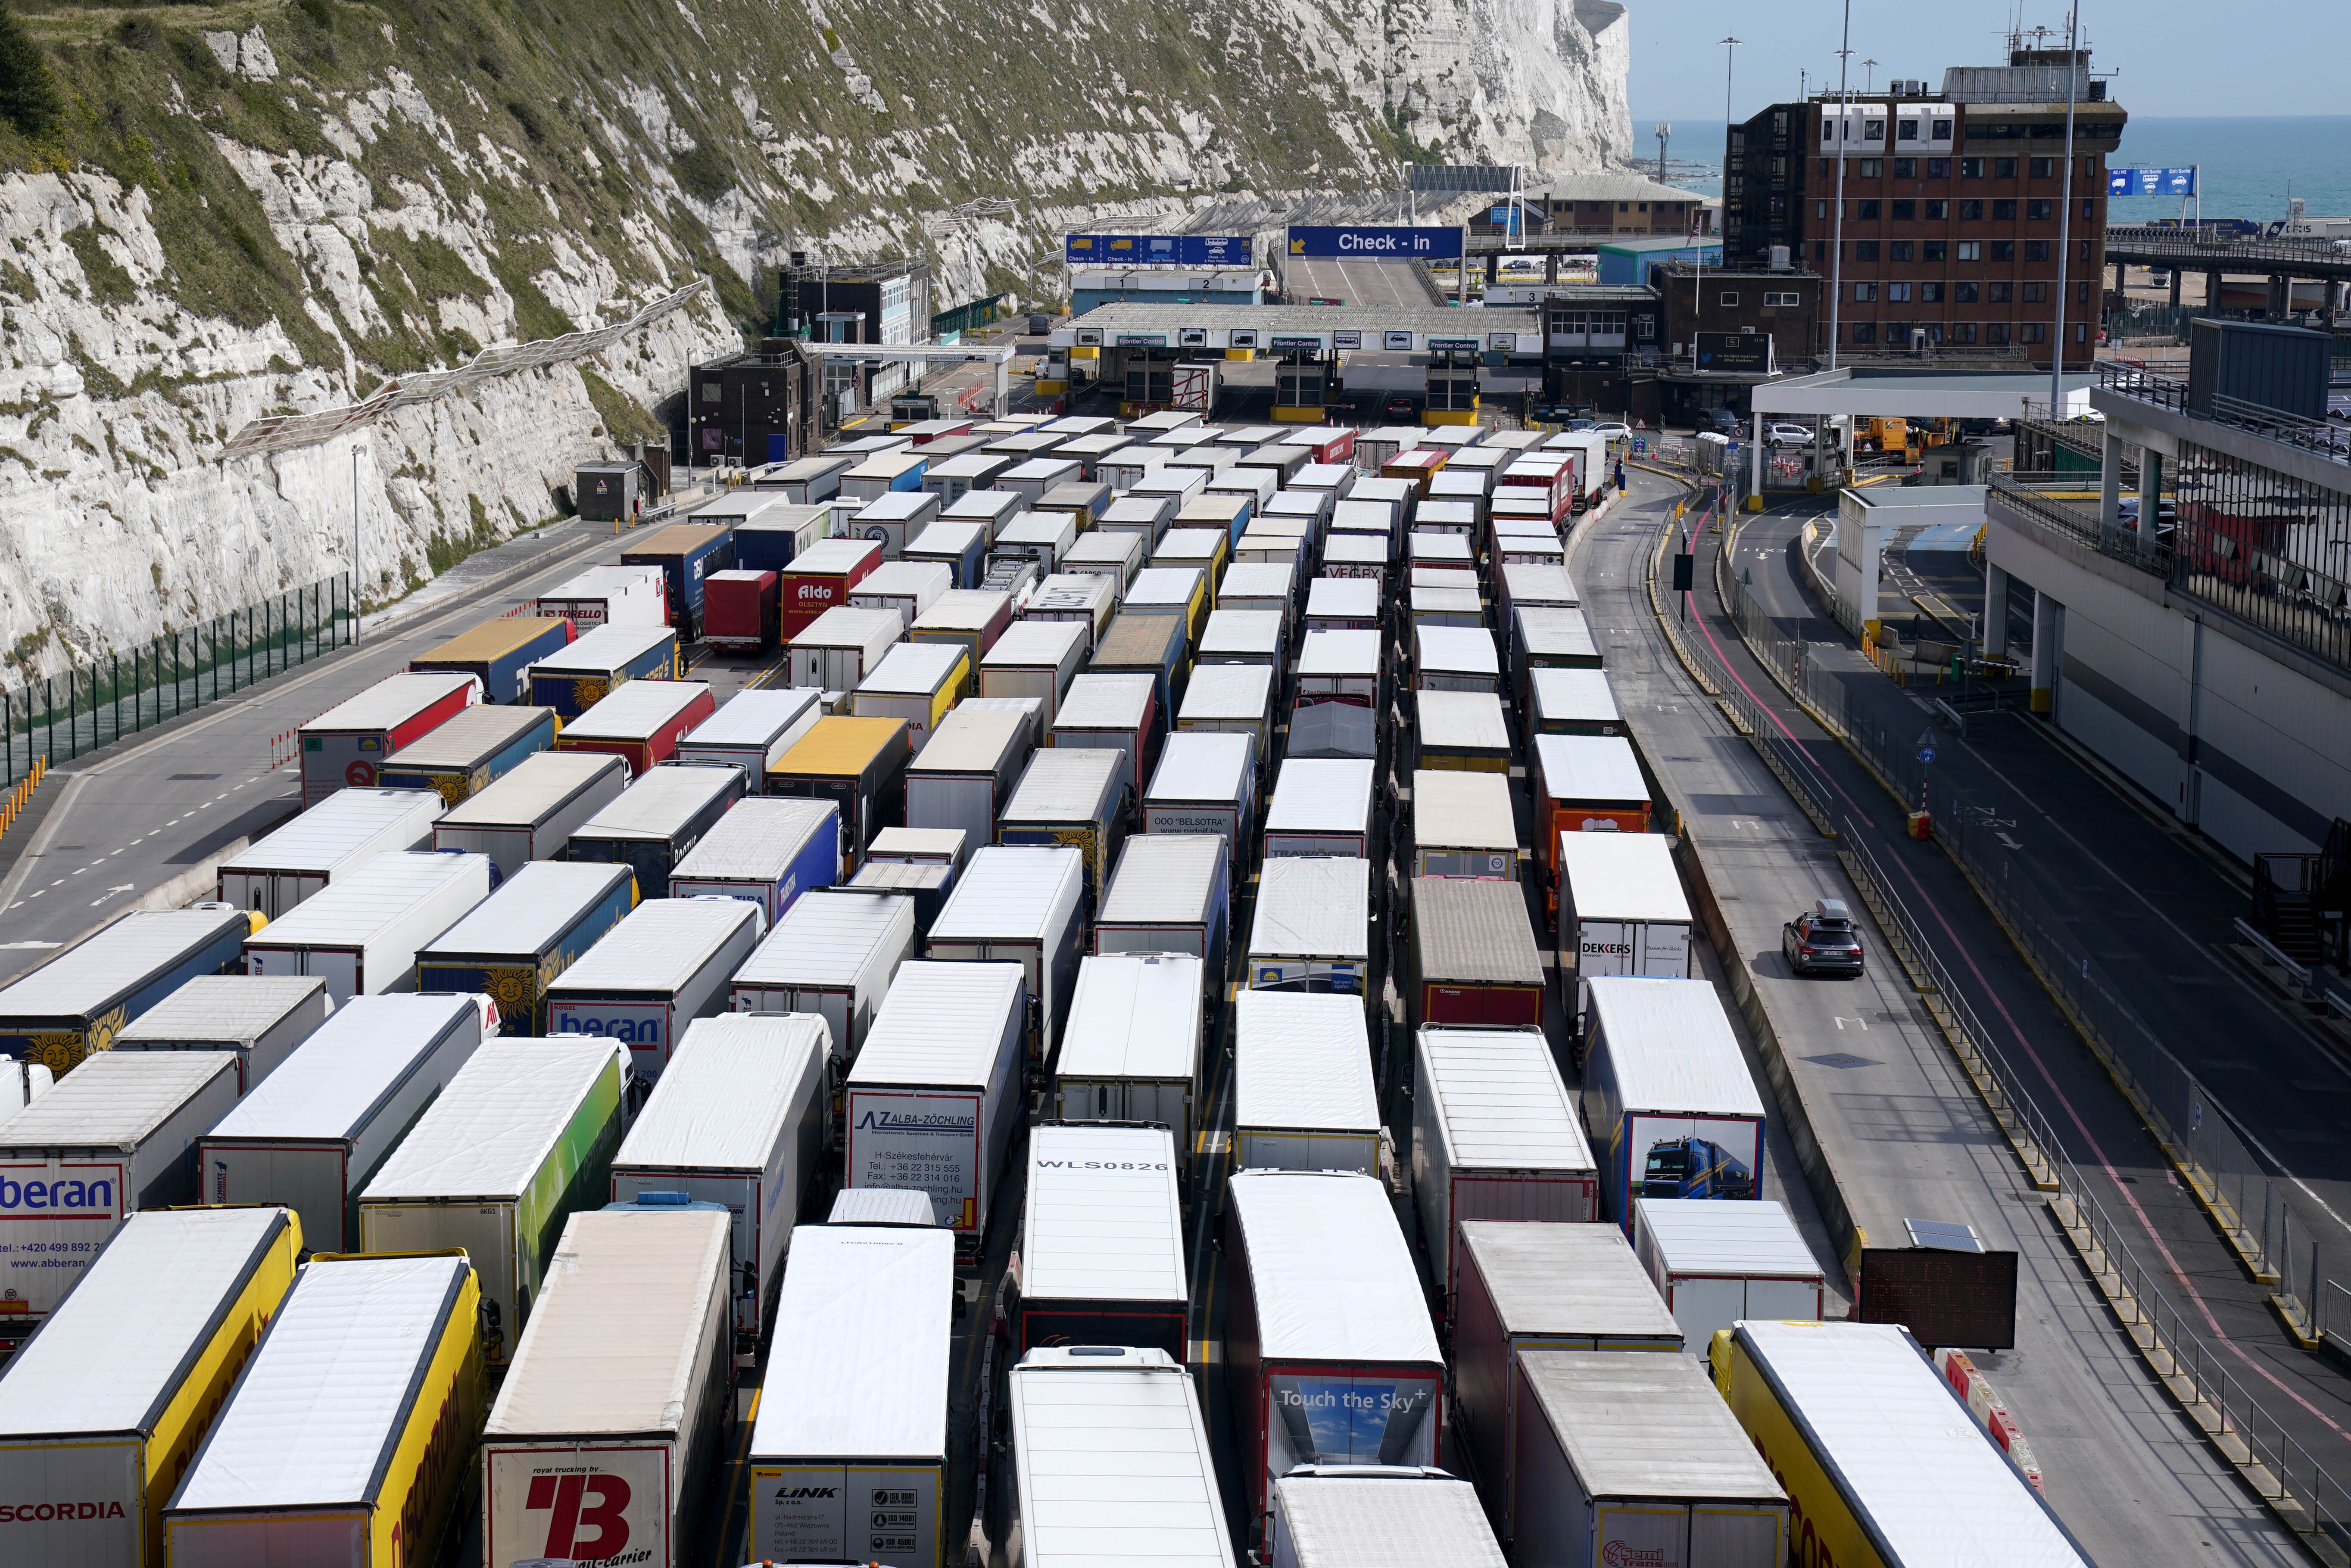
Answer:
[(2191, 246), (280, 433), (55, 718), (2193, 1129), (2328, 438), (2049, 499)]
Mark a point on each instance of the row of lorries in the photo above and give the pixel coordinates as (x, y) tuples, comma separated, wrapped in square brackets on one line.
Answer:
[(555, 1134)]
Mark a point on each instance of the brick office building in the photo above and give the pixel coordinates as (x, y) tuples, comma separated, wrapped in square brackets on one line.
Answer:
[(1951, 206)]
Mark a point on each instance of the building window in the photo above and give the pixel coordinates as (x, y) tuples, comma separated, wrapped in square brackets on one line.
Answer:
[(2036, 250), (2003, 210), (2033, 332), (1821, 211), (1943, 129), (1962, 331), (1906, 169), (2081, 332), (1898, 250), (1906, 131), (1868, 208), (2039, 209), (1649, 327), (1897, 293), (1872, 131), (1996, 332), (1964, 293), (2082, 294), (1898, 335), (2036, 293), (1819, 250), (1970, 250), (1939, 168), (1624, 206), (1931, 250), (1905, 212), (1865, 331), (1930, 294), (1972, 211), (1938, 209), (1871, 168), (2083, 246), (1828, 167), (1999, 293), (1864, 293), (2003, 250), (1971, 168), (2044, 168), (1865, 250), (2004, 168), (2089, 208), (1728, 301), (709, 391)]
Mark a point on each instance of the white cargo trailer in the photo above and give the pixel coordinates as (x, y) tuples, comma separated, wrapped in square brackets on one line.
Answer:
[(1339, 1516), (532, 812), (1538, 1285), (655, 823), (361, 935), (260, 1020), (1089, 602), (1101, 1239), (1233, 699), (881, 1206), (1303, 1098), (1312, 930), (314, 1134), (1494, 1136), (1112, 708), (1111, 1462), (1621, 911), (1463, 826), (667, 964), (1330, 1357), (615, 1434), (752, 731), (905, 587), (738, 1119), (833, 955), (1035, 658), (841, 647), (1206, 782), (1715, 1263), (1321, 805), (933, 1098), (123, 1380), (849, 1454), (1131, 1050), (1626, 1458), (1021, 905), (968, 772), (766, 851), (1671, 1107), (609, 596), (331, 840), (116, 1135)]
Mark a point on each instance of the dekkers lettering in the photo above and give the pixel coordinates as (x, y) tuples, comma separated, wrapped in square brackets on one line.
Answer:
[(49, 1513), (49, 1197)]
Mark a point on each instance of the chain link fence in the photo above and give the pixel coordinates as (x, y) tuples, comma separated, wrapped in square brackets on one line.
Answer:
[(55, 718)]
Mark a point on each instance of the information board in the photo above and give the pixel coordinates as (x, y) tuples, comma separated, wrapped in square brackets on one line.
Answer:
[(1965, 1301), (1373, 243), (1158, 250)]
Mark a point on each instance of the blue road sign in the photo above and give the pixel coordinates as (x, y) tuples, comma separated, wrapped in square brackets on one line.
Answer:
[(1373, 243), (1159, 250), (2151, 182)]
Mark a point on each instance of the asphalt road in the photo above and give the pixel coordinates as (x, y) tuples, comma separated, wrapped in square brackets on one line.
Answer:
[(1357, 283), (1906, 1134)]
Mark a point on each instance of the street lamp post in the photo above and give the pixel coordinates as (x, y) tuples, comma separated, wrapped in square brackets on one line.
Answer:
[(356, 448), (1697, 277), (1836, 230), (2065, 211)]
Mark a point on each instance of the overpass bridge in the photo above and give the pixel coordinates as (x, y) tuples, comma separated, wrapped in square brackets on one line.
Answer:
[(2282, 261)]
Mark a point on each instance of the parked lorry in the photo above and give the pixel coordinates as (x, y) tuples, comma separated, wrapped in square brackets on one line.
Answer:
[(1132, 1051), (860, 765), (598, 663), (837, 650), (752, 730), (1079, 1498), (1020, 904), (967, 772), (1667, 1099), (1332, 1516), (331, 839), (655, 823), (741, 610), (1473, 955), (514, 943), (1621, 912), (1113, 710), (667, 964), (499, 652), (767, 851), (609, 596), (687, 552), (833, 954), (1310, 930), (1102, 1241), (362, 936), (642, 723), (1303, 1098), (342, 747), (475, 748), (532, 814), (258, 1021), (1715, 1263)]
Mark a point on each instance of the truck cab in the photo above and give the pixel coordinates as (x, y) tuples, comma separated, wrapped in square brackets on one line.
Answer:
[(1694, 1168)]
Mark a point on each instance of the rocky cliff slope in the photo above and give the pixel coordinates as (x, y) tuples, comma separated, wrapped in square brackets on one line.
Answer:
[(210, 214)]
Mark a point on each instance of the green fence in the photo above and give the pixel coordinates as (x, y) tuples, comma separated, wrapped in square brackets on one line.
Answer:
[(59, 717)]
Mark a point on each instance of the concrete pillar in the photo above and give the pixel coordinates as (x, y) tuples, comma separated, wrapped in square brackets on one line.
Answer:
[(2047, 615), (2281, 298), (1493, 268), (1995, 621), (2212, 291), (1551, 267), (2110, 482), (2176, 276), (2150, 492)]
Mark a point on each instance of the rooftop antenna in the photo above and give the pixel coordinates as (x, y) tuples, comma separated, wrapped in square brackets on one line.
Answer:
[(1868, 73), (1664, 131)]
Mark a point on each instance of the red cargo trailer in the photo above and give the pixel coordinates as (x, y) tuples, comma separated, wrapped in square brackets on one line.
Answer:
[(1473, 953), (641, 722), (740, 610), (819, 578), (342, 747)]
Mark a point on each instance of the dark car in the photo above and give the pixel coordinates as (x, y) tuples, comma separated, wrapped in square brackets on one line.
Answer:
[(1721, 421), (1823, 939), (1401, 406)]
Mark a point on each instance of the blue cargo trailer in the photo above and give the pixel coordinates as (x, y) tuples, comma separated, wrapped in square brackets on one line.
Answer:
[(501, 652), (652, 824), (471, 751), (769, 849), (582, 675), (514, 943), (687, 552), (769, 540), (75, 1002)]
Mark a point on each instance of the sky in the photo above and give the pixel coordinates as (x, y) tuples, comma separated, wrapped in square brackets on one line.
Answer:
[(2176, 58)]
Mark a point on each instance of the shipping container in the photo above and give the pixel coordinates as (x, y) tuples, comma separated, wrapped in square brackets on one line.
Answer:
[(1206, 782), (1494, 1136), (115, 1136), (1341, 666), (513, 943), (603, 1441), (1140, 642), (1171, 893), (1342, 603), (1230, 699), (739, 1119), (960, 547), (687, 553), (361, 935), (753, 729), (767, 851), (1462, 826), (1463, 731), (1623, 1456), (258, 1021), (859, 765), (1575, 703), (642, 722), (1110, 1461), (521, 1137), (1455, 659), (841, 647), (917, 682), (906, 588), (1621, 912), (1527, 1287), (1584, 783), (1319, 807), (668, 963), (933, 1095), (1338, 1516), (342, 747), (399, 1341), (772, 538), (1303, 1098), (1330, 1357), (1132, 1051), (498, 652), (652, 826), (820, 577), (102, 1410), (1089, 601), (893, 471), (1019, 904), (848, 1453), (1473, 953), (609, 595), (331, 840), (1113, 710), (1070, 797), (598, 663), (812, 478), (314, 1134), (1102, 1241), (1037, 659), (470, 752), (533, 812), (1311, 928), (958, 476), (891, 520), (1668, 1098), (833, 955), (1881, 1461), (990, 508), (740, 610)]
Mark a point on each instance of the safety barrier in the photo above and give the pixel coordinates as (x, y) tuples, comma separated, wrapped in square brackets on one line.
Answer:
[(21, 795)]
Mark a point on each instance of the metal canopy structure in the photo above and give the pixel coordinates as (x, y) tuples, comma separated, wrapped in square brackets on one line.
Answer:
[(1916, 394), (1000, 354), (1317, 330), (1496, 179)]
